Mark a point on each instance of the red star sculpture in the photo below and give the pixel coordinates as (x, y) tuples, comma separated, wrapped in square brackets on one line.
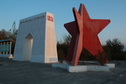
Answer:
[(84, 32)]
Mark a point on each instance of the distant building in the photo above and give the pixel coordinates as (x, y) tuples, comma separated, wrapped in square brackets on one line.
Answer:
[(5, 48)]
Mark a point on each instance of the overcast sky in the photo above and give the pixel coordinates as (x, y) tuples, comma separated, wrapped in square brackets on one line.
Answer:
[(115, 10)]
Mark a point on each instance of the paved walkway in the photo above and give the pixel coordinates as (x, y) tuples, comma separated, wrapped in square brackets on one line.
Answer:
[(14, 72)]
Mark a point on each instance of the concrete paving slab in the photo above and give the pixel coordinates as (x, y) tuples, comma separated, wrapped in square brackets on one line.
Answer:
[(14, 72)]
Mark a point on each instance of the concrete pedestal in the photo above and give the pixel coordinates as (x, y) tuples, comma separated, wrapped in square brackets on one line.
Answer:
[(110, 65), (83, 68)]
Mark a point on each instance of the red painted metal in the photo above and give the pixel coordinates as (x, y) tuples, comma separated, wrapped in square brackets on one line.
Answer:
[(84, 32)]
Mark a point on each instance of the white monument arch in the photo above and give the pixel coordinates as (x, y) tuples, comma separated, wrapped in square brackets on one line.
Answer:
[(36, 41)]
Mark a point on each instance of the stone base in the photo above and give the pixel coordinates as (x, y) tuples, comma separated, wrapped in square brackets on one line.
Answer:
[(6, 56), (83, 68)]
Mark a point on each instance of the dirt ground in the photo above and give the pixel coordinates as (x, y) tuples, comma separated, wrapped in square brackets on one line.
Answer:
[(15, 72)]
